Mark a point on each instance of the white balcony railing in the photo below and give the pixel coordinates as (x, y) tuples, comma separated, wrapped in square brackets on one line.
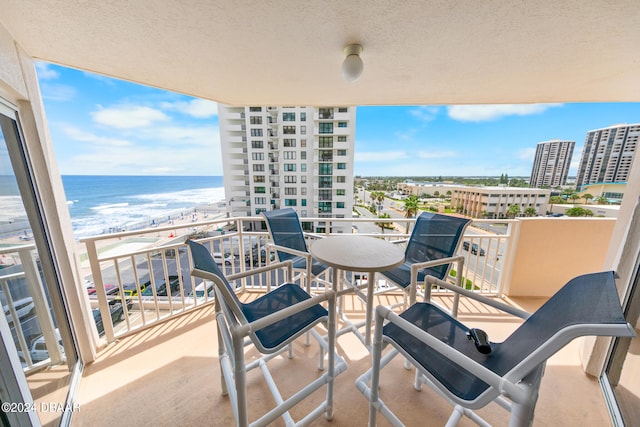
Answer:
[(160, 257), (25, 302)]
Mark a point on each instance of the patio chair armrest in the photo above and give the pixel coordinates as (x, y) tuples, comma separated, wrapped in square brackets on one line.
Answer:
[(435, 262), (296, 252), (430, 280), (329, 296), (513, 391), (259, 270)]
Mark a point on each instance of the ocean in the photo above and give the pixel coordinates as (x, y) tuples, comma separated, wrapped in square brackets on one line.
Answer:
[(105, 204)]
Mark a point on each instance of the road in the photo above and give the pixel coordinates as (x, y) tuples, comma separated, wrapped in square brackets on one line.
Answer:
[(479, 268)]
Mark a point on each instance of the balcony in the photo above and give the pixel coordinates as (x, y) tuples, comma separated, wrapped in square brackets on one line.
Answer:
[(175, 366), (165, 343)]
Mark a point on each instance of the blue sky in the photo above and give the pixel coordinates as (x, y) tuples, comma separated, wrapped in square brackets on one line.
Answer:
[(103, 126)]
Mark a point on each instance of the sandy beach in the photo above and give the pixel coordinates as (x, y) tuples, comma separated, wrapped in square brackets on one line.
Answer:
[(176, 230)]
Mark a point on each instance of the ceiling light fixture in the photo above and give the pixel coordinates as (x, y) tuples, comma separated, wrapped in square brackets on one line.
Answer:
[(352, 65)]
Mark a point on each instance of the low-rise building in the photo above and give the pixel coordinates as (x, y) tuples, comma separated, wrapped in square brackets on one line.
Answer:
[(425, 188), (494, 202)]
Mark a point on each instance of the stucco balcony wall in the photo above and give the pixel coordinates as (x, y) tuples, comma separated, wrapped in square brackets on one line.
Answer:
[(547, 252)]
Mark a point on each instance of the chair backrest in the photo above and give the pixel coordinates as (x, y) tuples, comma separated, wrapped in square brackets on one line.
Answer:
[(435, 237), (206, 268), (586, 305), (285, 230)]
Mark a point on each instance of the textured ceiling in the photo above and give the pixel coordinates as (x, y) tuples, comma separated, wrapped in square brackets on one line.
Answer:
[(289, 52)]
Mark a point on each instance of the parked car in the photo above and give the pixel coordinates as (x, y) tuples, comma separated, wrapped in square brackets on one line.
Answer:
[(117, 315), (24, 308), (130, 289), (200, 289), (220, 259), (261, 254), (131, 292), (474, 248), (161, 287), (108, 288), (38, 348)]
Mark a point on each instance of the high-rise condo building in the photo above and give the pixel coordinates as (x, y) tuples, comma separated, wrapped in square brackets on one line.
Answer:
[(551, 164), (298, 157), (608, 154)]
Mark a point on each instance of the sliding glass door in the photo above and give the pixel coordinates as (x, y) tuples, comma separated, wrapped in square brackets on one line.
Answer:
[(621, 380), (38, 357)]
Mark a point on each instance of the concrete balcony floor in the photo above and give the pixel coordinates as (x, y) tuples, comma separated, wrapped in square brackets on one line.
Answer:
[(168, 375)]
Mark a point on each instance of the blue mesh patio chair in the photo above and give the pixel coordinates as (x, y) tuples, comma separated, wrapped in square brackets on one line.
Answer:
[(288, 240), (469, 370), (270, 323), (430, 251)]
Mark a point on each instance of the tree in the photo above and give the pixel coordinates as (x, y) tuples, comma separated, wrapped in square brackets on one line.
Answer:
[(530, 211), (587, 197), (573, 197), (578, 211), (555, 200), (376, 198), (384, 225), (410, 208), (513, 211), (601, 200)]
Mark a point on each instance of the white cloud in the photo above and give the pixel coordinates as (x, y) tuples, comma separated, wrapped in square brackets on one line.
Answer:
[(198, 108), (195, 135), (484, 113), (45, 72), (424, 113), (57, 92), (128, 116), (382, 156), (165, 160), (80, 135), (527, 154)]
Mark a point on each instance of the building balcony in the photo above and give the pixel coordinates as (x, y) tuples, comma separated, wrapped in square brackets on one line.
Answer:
[(163, 347), (175, 366)]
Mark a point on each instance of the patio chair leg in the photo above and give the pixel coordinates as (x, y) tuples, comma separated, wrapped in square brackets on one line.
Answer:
[(522, 412), (331, 353), (455, 417), (240, 380), (417, 381)]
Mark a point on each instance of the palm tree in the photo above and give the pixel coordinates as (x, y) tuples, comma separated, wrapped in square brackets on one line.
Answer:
[(379, 198), (573, 197), (601, 200), (513, 211), (555, 200), (587, 197), (410, 208)]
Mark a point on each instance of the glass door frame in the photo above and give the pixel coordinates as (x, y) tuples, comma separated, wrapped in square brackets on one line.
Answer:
[(13, 377), (620, 346)]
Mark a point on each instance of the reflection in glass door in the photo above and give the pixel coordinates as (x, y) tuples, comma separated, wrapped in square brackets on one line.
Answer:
[(621, 380), (29, 290)]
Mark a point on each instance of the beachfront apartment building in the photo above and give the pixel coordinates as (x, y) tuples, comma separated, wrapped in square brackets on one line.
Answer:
[(494, 202), (551, 163), (607, 155), (297, 157)]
